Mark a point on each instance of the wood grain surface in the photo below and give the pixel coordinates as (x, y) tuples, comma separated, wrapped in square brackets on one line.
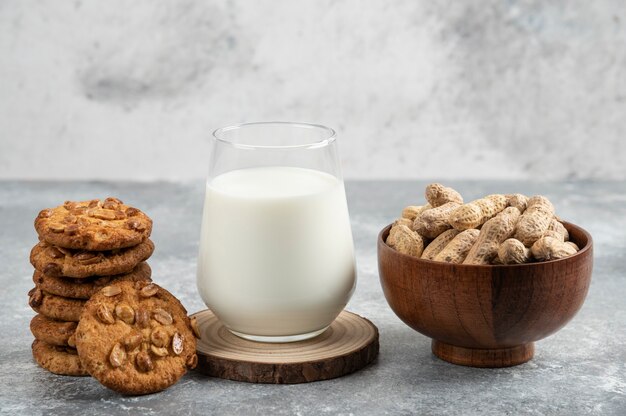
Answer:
[(349, 344)]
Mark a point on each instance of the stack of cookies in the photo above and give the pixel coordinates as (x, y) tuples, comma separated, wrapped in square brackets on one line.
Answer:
[(84, 246)]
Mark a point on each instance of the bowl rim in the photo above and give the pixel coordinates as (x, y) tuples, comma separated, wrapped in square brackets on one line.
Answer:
[(567, 224)]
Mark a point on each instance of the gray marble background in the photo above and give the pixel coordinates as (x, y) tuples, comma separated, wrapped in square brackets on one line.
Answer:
[(416, 89)]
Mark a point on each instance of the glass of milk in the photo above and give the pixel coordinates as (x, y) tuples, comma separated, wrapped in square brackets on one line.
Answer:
[(276, 261)]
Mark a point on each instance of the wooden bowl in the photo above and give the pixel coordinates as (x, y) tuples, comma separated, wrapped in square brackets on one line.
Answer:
[(486, 316)]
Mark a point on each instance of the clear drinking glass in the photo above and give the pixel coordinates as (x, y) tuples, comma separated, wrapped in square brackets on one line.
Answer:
[(276, 261)]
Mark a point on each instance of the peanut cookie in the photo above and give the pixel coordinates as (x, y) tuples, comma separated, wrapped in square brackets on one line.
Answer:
[(85, 288), (55, 307), (58, 360), (93, 225), (51, 331), (135, 338), (59, 261)]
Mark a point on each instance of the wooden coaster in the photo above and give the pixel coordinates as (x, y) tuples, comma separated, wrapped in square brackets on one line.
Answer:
[(349, 344)]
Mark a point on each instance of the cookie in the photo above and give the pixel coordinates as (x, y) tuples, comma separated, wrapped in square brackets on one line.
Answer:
[(51, 331), (93, 225), (58, 261), (84, 288), (58, 360), (55, 307), (135, 338)]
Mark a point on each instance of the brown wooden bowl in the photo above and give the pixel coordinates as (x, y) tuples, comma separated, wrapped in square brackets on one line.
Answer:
[(486, 316)]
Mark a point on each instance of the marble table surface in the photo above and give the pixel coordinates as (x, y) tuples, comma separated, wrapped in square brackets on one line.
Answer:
[(579, 370)]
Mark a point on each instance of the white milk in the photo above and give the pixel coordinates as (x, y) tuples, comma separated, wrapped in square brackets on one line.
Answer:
[(276, 252)]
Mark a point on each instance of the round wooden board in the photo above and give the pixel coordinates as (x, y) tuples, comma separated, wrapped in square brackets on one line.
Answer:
[(349, 344)]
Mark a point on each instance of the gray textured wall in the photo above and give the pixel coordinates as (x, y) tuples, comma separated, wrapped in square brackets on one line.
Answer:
[(472, 89)]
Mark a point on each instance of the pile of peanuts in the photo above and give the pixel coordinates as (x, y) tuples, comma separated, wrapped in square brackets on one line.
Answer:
[(495, 229)]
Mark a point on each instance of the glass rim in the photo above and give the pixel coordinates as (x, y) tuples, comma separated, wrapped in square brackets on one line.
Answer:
[(326, 139)]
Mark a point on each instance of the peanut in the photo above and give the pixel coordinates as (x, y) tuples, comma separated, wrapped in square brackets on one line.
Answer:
[(438, 195), (403, 221), (492, 234), (513, 251), (476, 213), (391, 238), (535, 220), (457, 249), (412, 211), (408, 241), (550, 248), (434, 221), (555, 225), (518, 201), (438, 244), (554, 234)]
